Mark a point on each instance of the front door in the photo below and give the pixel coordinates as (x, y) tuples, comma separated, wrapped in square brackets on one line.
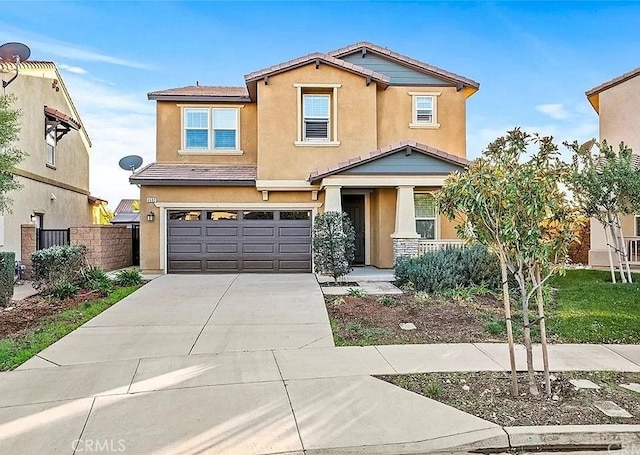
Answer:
[(353, 205)]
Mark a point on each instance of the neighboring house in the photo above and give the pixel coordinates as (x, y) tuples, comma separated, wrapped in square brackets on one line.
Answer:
[(55, 172), (127, 213), (617, 103), (240, 172)]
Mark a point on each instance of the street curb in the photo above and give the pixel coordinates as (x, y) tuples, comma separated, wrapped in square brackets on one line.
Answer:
[(574, 437)]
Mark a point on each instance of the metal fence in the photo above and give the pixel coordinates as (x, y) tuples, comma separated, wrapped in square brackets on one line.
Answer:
[(46, 238), (135, 244)]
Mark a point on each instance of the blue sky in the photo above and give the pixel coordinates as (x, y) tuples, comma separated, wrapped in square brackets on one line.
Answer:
[(534, 60)]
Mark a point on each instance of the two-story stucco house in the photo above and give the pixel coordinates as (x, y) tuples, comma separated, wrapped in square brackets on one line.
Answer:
[(617, 103), (240, 172), (55, 172)]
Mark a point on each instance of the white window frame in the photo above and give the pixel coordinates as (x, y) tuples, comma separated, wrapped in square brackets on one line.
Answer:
[(333, 115), (213, 128), (48, 138), (636, 218), (305, 96), (414, 110), (436, 224), (210, 149)]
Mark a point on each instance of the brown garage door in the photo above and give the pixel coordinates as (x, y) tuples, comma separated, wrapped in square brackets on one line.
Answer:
[(209, 241)]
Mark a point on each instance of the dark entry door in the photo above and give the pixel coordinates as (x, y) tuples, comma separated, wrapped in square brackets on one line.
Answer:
[(353, 205)]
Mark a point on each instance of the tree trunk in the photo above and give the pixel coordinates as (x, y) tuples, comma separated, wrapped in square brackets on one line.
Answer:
[(533, 387), (616, 245), (611, 266), (507, 315), (543, 330), (624, 250)]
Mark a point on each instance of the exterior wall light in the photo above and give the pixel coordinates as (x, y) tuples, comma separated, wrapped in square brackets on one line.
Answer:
[(151, 216)]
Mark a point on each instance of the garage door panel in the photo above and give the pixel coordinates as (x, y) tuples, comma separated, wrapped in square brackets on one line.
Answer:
[(222, 247), (258, 248), (262, 244), (295, 231), (185, 248), (292, 248), (229, 231)]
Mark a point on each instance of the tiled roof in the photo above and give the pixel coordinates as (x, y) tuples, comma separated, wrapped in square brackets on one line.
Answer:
[(30, 64), (62, 117), (403, 59), (613, 82), (388, 150), (215, 91), (317, 56), (126, 206), (176, 174), (126, 218)]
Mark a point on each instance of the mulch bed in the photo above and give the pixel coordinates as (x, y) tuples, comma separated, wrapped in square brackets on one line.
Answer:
[(489, 397), (20, 316), (439, 320)]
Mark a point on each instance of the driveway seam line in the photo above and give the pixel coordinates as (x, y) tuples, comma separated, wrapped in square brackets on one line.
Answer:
[(293, 412), (84, 427), (211, 315), (619, 355), (490, 357), (134, 375), (47, 360), (385, 359), (314, 341)]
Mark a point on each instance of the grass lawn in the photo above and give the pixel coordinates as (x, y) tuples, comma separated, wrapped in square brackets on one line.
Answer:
[(18, 349), (588, 308)]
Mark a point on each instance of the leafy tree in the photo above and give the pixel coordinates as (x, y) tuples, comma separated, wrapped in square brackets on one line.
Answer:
[(102, 214), (135, 206), (517, 208), (333, 244), (9, 155), (607, 185)]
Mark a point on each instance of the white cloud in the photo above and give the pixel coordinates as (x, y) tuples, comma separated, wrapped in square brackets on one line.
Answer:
[(69, 51), (119, 123), (72, 69), (555, 111)]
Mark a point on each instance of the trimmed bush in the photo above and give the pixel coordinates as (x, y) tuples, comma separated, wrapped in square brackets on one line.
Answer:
[(334, 246), (96, 279), (451, 268), (7, 271), (128, 277), (59, 264), (64, 290)]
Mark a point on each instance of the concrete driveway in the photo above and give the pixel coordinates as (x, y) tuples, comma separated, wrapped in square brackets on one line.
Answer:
[(200, 314), (239, 364)]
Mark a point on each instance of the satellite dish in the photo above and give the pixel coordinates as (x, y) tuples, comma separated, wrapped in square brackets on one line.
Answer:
[(14, 52), (130, 163)]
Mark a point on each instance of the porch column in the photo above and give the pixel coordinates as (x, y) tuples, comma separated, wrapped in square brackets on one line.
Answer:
[(332, 198), (405, 237)]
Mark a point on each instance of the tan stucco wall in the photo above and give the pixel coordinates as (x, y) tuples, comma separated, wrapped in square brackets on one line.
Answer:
[(169, 135), (150, 231), (619, 120), (395, 113), (278, 157), (69, 208)]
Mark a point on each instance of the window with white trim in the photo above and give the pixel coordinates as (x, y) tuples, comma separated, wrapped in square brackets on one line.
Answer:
[(211, 129), (637, 225), (51, 142), (424, 110), (316, 117), (426, 215)]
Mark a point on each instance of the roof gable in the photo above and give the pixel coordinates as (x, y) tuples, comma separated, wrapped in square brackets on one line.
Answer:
[(404, 158), (593, 94), (363, 48)]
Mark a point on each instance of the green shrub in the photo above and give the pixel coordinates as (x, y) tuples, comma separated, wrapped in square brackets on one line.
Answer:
[(450, 269), (387, 300), (128, 277), (432, 390), (333, 244), (96, 279), (59, 264), (64, 290), (356, 292), (7, 270)]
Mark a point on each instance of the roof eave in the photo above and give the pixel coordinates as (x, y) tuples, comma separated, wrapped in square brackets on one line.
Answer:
[(190, 182), (196, 98)]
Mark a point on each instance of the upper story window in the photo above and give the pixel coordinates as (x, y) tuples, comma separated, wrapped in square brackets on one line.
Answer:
[(637, 225), (214, 130), (424, 110), (317, 115), (51, 147), (426, 215)]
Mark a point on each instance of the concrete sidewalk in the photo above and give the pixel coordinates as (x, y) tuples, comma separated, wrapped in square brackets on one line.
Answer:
[(246, 364)]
